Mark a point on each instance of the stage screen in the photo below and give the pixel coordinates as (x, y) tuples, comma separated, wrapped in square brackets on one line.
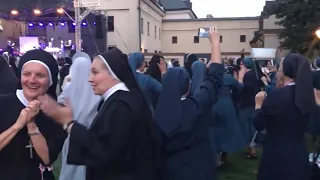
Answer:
[(28, 43)]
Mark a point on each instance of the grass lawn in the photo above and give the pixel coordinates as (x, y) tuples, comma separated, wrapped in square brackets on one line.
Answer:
[(239, 168)]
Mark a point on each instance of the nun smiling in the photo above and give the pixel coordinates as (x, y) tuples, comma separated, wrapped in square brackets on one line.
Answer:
[(121, 143), (30, 141)]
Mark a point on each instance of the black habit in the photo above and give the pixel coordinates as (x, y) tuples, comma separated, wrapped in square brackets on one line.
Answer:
[(16, 163), (120, 143), (284, 114)]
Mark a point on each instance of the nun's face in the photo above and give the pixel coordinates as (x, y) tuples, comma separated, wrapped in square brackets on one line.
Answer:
[(100, 78), (34, 80)]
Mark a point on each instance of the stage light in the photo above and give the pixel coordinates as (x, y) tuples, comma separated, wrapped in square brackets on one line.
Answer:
[(84, 23), (318, 33), (74, 24), (40, 24), (36, 11), (62, 24), (31, 25), (50, 24), (60, 11), (14, 12), (94, 23)]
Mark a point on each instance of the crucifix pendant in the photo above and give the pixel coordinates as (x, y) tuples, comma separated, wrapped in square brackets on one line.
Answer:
[(30, 146)]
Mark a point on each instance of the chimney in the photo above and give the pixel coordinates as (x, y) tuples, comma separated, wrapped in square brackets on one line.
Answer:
[(209, 16)]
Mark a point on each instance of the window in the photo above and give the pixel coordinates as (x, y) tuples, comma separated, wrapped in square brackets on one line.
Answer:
[(242, 38), (148, 29), (159, 33), (174, 39), (196, 39), (145, 50), (221, 39), (110, 23), (141, 25), (155, 32)]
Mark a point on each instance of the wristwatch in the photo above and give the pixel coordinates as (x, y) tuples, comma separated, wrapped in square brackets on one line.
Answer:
[(34, 133)]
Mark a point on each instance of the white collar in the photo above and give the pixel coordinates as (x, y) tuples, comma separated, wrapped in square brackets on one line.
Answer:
[(138, 71), (183, 98), (21, 97), (120, 86)]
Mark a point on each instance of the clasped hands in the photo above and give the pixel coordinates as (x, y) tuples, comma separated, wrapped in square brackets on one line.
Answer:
[(60, 114), (27, 114)]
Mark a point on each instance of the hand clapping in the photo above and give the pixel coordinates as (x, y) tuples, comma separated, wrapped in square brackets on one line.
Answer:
[(61, 114)]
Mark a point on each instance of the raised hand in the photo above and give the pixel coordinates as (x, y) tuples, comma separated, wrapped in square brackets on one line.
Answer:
[(61, 114), (33, 109), (22, 119)]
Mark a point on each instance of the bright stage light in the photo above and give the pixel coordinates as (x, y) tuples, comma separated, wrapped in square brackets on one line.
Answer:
[(318, 33), (62, 24), (50, 24), (40, 24), (36, 11), (14, 12), (94, 23), (30, 24), (84, 23), (74, 24), (60, 11)]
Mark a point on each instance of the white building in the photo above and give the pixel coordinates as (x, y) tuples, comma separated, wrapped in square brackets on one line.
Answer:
[(170, 27)]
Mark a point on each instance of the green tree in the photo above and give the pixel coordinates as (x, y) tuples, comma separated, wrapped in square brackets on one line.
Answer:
[(300, 19)]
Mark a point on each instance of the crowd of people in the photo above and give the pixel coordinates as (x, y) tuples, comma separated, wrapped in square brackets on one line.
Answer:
[(117, 117)]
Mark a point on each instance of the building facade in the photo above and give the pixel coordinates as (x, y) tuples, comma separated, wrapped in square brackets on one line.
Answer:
[(171, 27)]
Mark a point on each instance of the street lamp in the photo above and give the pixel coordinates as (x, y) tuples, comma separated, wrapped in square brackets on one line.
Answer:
[(318, 33)]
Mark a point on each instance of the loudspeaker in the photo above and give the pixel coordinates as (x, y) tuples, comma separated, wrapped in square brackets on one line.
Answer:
[(99, 27)]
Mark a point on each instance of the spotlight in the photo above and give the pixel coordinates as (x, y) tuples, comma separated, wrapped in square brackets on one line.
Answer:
[(40, 24), (84, 23), (14, 12), (60, 11), (94, 23), (36, 11), (31, 25), (62, 24), (318, 33), (74, 24), (50, 24)]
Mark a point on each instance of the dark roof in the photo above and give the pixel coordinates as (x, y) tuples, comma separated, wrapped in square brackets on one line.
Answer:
[(270, 8), (174, 4), (211, 19)]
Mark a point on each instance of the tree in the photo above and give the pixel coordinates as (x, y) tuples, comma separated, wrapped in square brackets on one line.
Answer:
[(300, 19)]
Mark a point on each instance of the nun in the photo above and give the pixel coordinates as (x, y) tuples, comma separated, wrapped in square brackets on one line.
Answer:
[(251, 86), (227, 131), (121, 141), (191, 58), (157, 68), (84, 104), (284, 114), (32, 140), (183, 132), (148, 84), (314, 119), (8, 80)]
